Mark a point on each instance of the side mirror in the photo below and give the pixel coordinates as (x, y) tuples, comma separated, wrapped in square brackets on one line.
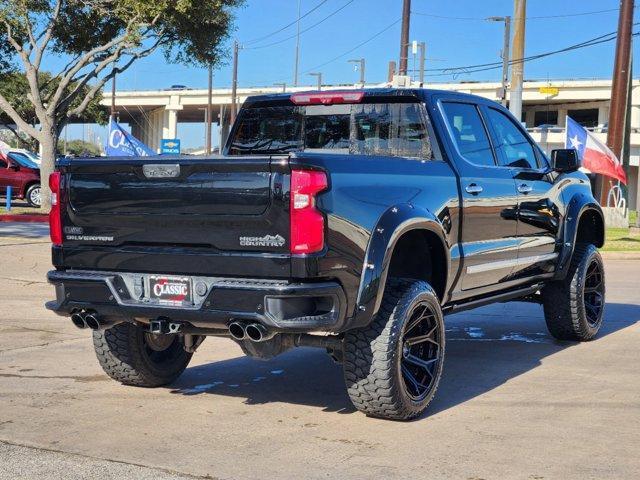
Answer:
[(14, 166), (565, 160)]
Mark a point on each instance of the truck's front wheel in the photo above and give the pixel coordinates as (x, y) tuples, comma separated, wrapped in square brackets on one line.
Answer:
[(132, 356), (392, 367)]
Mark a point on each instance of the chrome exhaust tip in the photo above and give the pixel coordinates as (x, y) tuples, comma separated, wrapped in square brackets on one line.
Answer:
[(258, 333), (92, 321), (237, 331), (78, 320)]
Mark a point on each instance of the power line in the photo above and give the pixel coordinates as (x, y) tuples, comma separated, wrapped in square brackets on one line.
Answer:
[(335, 12), (604, 37), (344, 54), (541, 17), (255, 40), (493, 66)]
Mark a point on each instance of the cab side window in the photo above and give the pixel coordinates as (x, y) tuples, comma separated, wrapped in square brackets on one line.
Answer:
[(512, 146), (3, 164), (469, 132)]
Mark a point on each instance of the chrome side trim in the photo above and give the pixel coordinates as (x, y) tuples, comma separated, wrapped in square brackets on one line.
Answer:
[(517, 262)]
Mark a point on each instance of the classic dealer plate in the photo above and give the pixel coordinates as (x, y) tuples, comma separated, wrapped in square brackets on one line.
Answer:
[(170, 290)]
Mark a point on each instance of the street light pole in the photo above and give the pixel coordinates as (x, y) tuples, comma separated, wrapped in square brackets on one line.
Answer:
[(283, 85), (209, 102), (234, 83), (505, 54), (423, 55), (361, 63), (319, 76), (113, 99)]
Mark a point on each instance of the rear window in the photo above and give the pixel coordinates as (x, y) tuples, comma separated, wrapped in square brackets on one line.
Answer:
[(396, 129)]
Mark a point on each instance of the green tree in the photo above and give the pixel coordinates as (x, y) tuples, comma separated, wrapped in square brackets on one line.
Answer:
[(78, 148), (97, 39), (14, 87)]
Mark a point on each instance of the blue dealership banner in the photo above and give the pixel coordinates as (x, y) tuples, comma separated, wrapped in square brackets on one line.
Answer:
[(170, 146), (121, 143)]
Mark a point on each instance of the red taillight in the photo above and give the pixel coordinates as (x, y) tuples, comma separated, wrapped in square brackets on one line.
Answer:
[(55, 219), (327, 98), (307, 223)]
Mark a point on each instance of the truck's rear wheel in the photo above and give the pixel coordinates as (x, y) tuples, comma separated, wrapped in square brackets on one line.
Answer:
[(132, 356), (392, 367), (574, 307)]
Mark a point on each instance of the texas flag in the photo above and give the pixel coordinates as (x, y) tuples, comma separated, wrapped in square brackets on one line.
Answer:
[(595, 155)]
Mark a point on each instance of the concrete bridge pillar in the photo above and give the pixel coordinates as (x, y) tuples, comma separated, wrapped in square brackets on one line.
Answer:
[(151, 127)]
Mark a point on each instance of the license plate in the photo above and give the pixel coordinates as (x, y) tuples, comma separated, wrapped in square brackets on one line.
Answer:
[(170, 290)]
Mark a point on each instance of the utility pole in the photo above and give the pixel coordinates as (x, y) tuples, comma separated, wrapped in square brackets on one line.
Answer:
[(517, 69), (282, 85), (505, 54), (423, 55), (209, 102), (319, 76), (619, 87), (391, 71), (361, 66), (404, 37), (297, 59), (234, 83)]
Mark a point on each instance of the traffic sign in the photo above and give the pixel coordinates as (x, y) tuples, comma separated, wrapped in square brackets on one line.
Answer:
[(170, 146)]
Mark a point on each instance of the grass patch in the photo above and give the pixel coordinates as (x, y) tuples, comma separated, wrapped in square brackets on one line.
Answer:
[(18, 208), (633, 217), (621, 240)]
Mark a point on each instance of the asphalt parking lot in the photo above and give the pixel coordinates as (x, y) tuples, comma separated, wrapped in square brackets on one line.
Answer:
[(513, 403)]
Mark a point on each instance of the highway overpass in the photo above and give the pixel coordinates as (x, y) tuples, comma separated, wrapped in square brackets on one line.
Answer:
[(156, 114)]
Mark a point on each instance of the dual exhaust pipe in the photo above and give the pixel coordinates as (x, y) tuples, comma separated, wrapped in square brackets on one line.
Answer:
[(87, 319), (253, 331)]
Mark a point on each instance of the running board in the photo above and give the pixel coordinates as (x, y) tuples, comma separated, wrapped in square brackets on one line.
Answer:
[(526, 292)]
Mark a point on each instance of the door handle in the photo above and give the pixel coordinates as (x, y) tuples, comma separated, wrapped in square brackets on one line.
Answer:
[(474, 189), (524, 188)]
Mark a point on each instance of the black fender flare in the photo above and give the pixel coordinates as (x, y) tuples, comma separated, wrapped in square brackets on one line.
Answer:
[(391, 225), (576, 208)]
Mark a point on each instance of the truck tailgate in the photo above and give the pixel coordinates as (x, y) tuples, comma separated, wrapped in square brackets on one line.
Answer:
[(216, 206)]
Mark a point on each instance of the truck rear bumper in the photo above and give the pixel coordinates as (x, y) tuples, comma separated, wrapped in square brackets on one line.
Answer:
[(279, 305)]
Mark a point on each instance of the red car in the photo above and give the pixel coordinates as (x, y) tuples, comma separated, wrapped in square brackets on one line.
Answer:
[(22, 175)]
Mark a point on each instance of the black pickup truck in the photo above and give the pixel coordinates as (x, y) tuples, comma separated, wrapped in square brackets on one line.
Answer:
[(346, 220)]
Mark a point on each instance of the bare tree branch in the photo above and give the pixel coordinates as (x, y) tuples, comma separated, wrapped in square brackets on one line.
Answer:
[(6, 107), (46, 35), (114, 71), (84, 60), (111, 59), (27, 22), (12, 41), (30, 71)]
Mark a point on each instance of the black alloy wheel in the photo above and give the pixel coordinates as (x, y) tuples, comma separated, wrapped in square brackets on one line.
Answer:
[(421, 340)]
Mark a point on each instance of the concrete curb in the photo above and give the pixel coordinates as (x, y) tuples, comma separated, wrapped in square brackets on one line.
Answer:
[(620, 255), (40, 218)]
